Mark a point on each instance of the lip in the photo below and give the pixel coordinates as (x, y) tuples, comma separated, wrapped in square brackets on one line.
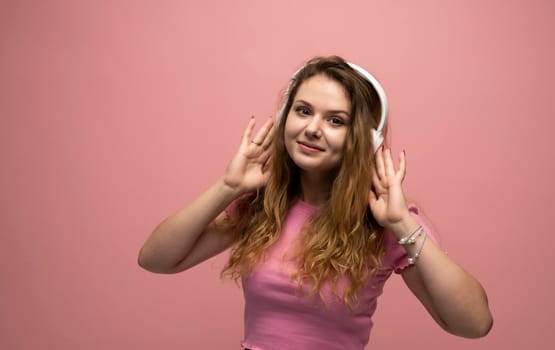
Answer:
[(310, 147)]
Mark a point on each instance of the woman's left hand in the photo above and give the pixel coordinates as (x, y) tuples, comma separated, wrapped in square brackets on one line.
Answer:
[(387, 201)]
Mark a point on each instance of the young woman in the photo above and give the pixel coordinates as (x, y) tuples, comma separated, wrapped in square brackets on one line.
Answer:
[(314, 209)]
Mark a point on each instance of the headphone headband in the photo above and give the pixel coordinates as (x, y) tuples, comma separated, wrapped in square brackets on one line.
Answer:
[(377, 134)]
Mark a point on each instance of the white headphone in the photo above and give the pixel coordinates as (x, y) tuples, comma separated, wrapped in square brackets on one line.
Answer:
[(377, 134)]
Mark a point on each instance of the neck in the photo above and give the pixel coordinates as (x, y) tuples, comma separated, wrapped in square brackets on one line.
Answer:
[(315, 188)]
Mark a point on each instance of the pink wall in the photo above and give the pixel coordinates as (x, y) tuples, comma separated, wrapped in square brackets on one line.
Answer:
[(115, 113)]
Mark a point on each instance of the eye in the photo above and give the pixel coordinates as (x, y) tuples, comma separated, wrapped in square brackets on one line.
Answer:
[(336, 121), (302, 110)]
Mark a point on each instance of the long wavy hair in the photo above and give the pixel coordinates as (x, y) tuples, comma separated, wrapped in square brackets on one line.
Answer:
[(342, 239)]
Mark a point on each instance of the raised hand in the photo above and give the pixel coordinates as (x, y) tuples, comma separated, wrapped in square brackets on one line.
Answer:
[(249, 168), (387, 201)]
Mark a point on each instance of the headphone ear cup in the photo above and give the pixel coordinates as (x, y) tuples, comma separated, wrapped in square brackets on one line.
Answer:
[(377, 139)]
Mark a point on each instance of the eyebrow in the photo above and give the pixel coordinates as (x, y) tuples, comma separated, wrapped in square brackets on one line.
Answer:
[(332, 111)]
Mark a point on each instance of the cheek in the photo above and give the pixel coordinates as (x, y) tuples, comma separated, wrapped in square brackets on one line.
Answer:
[(288, 138), (290, 130), (339, 140)]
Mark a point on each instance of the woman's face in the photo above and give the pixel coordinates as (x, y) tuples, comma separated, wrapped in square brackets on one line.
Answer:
[(317, 125)]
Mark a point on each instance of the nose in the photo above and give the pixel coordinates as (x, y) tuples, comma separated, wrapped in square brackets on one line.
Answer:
[(313, 128)]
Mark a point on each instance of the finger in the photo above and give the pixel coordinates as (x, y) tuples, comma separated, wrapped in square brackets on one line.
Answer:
[(388, 162), (248, 131), (269, 137), (264, 150), (265, 155), (378, 186), (379, 164), (263, 132), (402, 165)]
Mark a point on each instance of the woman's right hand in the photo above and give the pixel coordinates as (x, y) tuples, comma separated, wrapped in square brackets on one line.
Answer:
[(249, 168)]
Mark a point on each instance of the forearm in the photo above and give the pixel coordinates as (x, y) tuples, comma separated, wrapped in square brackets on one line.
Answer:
[(172, 240), (456, 297)]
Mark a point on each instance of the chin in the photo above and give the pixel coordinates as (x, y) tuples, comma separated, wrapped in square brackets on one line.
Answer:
[(315, 168), (310, 164)]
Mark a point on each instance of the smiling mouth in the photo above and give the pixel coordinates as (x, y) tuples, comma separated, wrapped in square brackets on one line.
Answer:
[(310, 146)]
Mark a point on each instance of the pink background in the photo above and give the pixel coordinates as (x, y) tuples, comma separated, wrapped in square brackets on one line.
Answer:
[(116, 113)]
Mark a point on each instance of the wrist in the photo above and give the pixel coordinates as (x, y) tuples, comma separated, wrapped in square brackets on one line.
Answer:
[(227, 191), (404, 227)]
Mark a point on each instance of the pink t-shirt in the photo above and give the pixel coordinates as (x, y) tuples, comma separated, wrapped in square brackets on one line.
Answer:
[(277, 318)]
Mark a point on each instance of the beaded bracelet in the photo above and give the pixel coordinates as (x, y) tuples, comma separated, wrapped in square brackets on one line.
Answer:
[(412, 260), (410, 239)]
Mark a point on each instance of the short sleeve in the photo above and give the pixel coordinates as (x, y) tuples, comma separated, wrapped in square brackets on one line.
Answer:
[(396, 257), (231, 208)]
